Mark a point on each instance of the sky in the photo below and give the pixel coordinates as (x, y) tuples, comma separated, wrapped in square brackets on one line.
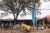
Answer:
[(45, 10)]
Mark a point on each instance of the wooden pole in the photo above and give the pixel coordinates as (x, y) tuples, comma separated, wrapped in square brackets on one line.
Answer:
[(43, 24)]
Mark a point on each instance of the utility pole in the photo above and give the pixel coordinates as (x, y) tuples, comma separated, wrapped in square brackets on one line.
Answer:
[(34, 16)]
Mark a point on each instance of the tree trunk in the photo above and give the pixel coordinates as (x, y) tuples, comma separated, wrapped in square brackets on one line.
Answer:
[(15, 16)]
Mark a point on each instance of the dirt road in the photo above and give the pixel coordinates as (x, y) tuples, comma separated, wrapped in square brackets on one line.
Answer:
[(19, 31)]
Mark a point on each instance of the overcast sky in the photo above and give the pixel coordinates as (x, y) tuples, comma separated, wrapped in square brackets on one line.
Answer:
[(45, 10)]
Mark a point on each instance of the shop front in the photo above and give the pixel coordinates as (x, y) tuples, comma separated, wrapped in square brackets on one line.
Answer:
[(45, 23)]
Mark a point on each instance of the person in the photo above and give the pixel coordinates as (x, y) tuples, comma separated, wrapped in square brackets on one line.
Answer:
[(6, 26), (11, 26), (40, 27)]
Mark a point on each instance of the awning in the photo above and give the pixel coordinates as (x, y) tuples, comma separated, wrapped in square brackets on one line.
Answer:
[(48, 17)]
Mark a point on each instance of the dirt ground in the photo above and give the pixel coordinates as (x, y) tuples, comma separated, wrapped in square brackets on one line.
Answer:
[(19, 31)]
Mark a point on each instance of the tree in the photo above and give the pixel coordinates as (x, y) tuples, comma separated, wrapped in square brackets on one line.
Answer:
[(11, 5), (15, 6)]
